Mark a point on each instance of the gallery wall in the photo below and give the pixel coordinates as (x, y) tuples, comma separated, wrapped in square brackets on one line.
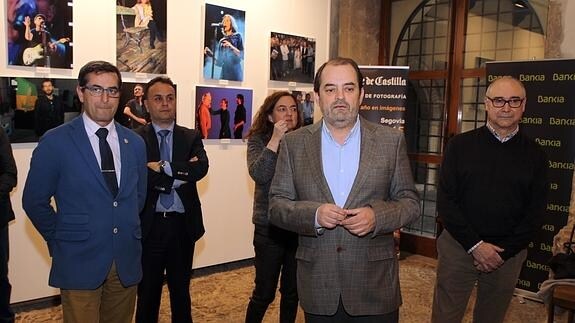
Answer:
[(227, 191)]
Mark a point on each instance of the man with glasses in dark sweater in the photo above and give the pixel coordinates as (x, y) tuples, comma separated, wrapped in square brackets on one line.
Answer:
[(491, 198)]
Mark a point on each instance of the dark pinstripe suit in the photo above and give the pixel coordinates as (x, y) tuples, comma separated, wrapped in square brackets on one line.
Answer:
[(362, 271)]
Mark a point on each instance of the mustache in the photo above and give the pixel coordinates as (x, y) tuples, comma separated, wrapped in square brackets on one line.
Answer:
[(340, 102)]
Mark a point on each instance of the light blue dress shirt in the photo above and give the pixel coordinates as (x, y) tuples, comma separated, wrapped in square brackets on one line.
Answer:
[(340, 162), (178, 206)]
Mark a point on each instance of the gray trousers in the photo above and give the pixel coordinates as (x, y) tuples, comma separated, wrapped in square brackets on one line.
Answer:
[(456, 278)]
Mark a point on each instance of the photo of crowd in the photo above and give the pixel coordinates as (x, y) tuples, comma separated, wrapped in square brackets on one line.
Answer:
[(292, 58)]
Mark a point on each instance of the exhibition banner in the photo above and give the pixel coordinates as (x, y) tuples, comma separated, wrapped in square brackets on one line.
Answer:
[(385, 97), (549, 119), (385, 100)]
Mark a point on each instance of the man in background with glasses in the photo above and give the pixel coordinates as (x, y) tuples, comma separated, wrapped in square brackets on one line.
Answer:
[(491, 198), (95, 170)]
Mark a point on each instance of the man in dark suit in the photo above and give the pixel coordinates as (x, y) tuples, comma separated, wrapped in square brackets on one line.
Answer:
[(172, 219), (95, 170), (8, 177), (344, 185)]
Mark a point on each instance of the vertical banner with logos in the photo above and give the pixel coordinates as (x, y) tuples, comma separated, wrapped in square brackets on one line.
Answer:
[(385, 100), (385, 96), (549, 119)]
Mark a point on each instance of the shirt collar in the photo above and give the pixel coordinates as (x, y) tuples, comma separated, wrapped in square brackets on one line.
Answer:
[(158, 128), (91, 127), (502, 139), (353, 131)]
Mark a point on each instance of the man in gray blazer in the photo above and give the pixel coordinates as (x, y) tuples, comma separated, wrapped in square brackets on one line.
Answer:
[(344, 185)]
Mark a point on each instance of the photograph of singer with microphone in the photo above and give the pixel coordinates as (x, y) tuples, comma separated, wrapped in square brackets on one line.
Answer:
[(223, 43)]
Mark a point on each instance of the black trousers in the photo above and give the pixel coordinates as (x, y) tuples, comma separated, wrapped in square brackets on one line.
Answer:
[(153, 32), (274, 254), (341, 316), (239, 132), (167, 248), (6, 313)]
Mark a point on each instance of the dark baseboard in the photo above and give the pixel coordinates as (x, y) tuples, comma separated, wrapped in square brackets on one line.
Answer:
[(36, 304), (219, 268), (51, 301)]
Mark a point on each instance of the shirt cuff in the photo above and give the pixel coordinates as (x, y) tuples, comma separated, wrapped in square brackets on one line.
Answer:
[(168, 169), (474, 247), (318, 228)]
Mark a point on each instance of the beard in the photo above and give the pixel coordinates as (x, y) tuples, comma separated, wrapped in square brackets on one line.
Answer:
[(341, 114)]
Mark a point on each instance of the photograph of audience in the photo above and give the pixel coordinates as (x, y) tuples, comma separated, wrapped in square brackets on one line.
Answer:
[(291, 58), (141, 36), (223, 113), (223, 43), (40, 33)]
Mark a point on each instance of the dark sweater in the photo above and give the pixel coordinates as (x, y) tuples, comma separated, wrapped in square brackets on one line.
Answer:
[(261, 167), (492, 191)]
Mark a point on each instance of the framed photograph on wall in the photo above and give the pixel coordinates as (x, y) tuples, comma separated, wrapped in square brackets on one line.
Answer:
[(292, 58), (132, 111), (141, 44), (223, 113), (31, 106), (39, 33), (224, 43), (305, 103)]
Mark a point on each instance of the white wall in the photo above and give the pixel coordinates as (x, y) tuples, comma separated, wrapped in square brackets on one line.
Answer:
[(227, 191)]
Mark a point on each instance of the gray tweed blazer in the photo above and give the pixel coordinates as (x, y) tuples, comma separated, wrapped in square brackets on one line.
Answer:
[(362, 271)]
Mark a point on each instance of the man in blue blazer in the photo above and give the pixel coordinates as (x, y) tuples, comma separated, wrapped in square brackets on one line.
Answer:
[(95, 170)]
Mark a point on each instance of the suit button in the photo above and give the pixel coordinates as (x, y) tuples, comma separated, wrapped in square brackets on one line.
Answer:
[(115, 230), (339, 249), (115, 204)]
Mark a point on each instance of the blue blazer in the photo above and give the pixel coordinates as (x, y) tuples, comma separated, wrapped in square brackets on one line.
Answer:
[(89, 228)]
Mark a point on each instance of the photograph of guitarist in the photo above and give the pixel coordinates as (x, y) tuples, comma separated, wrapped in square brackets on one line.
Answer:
[(42, 46)]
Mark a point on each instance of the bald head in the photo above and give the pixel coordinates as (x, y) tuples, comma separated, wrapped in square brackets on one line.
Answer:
[(505, 81)]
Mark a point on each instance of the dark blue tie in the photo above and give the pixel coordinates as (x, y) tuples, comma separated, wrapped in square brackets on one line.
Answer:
[(167, 200), (107, 161)]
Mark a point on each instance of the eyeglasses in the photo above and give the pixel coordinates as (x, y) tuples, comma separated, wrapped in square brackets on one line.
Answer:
[(283, 109), (499, 102), (95, 90)]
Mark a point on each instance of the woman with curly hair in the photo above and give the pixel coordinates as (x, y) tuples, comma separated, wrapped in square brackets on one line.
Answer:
[(274, 247)]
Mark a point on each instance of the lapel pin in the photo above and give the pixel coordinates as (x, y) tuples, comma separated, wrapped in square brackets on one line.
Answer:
[(125, 140)]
